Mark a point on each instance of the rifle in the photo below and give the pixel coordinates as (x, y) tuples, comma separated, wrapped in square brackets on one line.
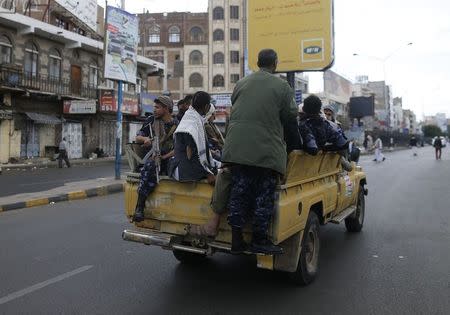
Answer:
[(154, 153)]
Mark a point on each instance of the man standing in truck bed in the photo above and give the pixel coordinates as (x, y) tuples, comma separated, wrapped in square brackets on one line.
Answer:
[(263, 105)]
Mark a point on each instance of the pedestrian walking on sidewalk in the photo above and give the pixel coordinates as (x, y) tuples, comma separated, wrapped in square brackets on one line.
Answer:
[(63, 153), (378, 146), (437, 144)]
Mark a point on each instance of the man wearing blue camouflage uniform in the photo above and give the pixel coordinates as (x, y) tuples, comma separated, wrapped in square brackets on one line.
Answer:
[(317, 132), (162, 125)]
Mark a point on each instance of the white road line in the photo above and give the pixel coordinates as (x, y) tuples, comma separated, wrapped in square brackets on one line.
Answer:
[(38, 286)]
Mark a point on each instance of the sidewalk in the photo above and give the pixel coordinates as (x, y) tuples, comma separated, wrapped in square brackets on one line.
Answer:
[(70, 191), (44, 162)]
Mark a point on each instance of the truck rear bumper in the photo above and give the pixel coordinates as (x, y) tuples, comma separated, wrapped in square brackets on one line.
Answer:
[(146, 238)]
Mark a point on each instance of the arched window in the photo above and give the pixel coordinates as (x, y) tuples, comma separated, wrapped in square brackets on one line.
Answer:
[(196, 34), (218, 13), (218, 58), (154, 36), (5, 50), (218, 81), (54, 68), (93, 74), (31, 59), (196, 58), (218, 35), (196, 80), (174, 34)]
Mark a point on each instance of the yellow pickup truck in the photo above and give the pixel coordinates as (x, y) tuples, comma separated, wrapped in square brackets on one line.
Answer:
[(315, 191)]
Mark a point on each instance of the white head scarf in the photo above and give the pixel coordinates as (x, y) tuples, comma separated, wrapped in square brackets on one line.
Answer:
[(211, 111)]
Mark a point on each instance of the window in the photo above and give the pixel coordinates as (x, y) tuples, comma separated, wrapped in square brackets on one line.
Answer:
[(110, 84), (234, 78), (234, 34), (218, 81), (196, 34), (218, 35), (54, 65), (31, 59), (196, 80), (196, 58), (93, 74), (5, 50), (234, 56), (174, 34), (154, 36), (234, 12), (218, 58), (218, 13)]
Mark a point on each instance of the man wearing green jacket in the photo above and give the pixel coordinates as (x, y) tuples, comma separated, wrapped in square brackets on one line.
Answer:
[(263, 105)]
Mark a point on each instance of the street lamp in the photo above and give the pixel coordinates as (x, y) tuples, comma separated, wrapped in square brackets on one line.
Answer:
[(383, 61)]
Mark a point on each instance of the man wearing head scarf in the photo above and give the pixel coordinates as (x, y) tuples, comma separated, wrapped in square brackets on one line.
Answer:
[(161, 125), (215, 137)]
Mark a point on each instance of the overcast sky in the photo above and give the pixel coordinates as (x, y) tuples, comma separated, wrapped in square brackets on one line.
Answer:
[(419, 73)]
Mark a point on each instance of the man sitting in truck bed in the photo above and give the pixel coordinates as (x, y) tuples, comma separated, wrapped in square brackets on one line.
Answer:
[(317, 132), (193, 160), (163, 125)]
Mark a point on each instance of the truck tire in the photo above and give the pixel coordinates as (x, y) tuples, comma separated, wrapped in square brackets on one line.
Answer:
[(188, 258), (355, 222), (308, 263)]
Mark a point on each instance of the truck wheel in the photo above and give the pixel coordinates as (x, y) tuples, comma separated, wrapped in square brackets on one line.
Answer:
[(354, 223), (308, 263), (188, 258)]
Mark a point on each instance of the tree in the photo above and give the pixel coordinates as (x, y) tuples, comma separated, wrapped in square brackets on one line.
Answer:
[(431, 131)]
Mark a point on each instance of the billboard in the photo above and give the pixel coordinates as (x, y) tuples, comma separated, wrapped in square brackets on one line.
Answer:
[(108, 102), (80, 107), (362, 106), (301, 32), (121, 42), (221, 100), (147, 102), (85, 10), (336, 87)]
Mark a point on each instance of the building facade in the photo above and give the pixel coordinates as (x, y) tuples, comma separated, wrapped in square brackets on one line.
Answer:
[(52, 86), (180, 42)]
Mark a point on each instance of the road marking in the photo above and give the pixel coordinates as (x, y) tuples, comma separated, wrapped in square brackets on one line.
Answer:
[(38, 286)]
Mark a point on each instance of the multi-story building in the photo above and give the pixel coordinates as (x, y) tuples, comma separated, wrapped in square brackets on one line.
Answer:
[(226, 42), (179, 40), (397, 114), (51, 85), (410, 122)]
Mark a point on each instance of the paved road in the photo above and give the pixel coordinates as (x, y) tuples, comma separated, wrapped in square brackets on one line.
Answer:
[(69, 258), (40, 179)]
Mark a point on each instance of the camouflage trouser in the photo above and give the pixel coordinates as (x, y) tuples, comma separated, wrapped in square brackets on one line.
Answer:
[(252, 193), (148, 181)]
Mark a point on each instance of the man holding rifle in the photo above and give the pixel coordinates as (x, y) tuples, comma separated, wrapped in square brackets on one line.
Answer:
[(157, 136)]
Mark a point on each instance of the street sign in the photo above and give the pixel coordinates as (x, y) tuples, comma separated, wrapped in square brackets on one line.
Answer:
[(300, 31), (298, 97)]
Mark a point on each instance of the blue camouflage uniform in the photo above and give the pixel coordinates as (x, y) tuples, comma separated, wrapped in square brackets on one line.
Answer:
[(319, 133), (253, 189), (148, 181)]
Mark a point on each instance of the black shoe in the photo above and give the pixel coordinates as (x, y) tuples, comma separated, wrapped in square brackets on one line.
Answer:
[(238, 246), (384, 159), (265, 247), (139, 211)]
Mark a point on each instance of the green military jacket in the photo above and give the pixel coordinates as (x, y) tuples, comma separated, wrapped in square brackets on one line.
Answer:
[(262, 104)]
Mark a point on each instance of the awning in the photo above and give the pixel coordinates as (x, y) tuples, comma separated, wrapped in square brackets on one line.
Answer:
[(44, 119), (6, 114)]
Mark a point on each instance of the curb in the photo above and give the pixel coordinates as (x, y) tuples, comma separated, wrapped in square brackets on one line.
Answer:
[(53, 164), (74, 195)]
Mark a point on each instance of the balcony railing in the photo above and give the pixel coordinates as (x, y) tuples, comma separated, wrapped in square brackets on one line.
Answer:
[(48, 84)]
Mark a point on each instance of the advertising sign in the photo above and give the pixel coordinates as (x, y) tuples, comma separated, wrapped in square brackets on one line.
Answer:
[(80, 107), (147, 102), (223, 99), (108, 102), (300, 31), (85, 10), (121, 42), (336, 87)]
